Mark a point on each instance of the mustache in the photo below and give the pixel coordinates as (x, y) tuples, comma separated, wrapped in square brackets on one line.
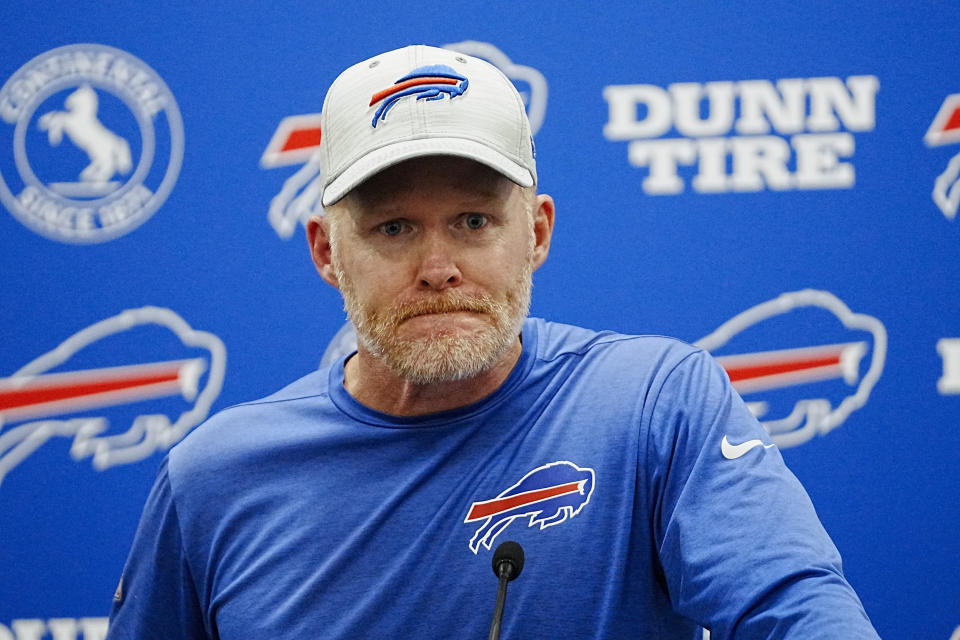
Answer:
[(447, 303)]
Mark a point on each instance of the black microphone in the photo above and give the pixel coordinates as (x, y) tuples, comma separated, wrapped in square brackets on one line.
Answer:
[(507, 565)]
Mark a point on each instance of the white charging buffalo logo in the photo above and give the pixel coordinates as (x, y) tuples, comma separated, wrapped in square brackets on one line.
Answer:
[(760, 375), (41, 398)]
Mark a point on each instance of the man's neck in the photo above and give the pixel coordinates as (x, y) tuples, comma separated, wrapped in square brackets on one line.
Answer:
[(374, 385)]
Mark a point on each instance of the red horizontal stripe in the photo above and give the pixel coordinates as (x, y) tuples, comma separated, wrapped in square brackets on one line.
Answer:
[(413, 82), (737, 373), (493, 507), (301, 139), (40, 391)]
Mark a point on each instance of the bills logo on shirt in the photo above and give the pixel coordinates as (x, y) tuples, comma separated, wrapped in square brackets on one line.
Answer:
[(548, 495)]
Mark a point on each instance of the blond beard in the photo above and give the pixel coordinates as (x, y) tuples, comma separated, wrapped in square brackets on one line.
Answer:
[(448, 356)]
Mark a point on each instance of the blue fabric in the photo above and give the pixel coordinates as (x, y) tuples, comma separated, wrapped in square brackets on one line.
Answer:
[(308, 515)]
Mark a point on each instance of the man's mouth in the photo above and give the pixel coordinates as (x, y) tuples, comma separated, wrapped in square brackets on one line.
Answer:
[(439, 312), (440, 307)]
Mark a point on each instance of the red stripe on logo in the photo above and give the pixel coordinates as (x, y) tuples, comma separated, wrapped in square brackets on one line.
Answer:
[(39, 391), (772, 368), (413, 82), (488, 508), (52, 393), (751, 372)]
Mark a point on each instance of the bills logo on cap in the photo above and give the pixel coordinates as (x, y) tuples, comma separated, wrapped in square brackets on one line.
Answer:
[(770, 381), (548, 495), (70, 391), (431, 82), (297, 140)]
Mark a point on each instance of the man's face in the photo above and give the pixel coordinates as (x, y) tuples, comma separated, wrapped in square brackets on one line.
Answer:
[(434, 260)]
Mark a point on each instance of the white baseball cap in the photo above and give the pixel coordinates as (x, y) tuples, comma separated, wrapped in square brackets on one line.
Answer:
[(420, 101)]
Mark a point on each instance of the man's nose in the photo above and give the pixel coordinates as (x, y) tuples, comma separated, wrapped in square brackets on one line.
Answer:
[(439, 269)]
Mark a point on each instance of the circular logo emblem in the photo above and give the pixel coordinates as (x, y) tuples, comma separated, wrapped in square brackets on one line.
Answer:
[(93, 144)]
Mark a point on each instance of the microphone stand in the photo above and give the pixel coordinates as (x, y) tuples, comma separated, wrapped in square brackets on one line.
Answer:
[(507, 565), (505, 576)]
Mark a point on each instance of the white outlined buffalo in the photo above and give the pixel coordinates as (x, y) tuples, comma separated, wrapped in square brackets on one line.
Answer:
[(41, 398), (548, 495)]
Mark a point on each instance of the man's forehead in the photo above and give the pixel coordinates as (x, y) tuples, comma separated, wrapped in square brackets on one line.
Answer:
[(433, 173)]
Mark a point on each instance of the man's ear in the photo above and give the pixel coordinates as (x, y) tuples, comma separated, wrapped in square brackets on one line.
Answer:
[(542, 228), (318, 238)]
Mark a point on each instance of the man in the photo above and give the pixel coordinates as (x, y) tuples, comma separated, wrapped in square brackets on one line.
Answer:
[(364, 500)]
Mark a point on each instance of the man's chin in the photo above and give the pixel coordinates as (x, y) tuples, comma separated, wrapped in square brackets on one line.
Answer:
[(446, 355)]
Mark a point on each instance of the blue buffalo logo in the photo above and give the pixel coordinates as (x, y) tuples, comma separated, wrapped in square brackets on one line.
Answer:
[(431, 82), (548, 495)]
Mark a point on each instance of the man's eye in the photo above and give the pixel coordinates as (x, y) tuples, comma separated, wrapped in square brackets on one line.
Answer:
[(475, 220), (392, 228)]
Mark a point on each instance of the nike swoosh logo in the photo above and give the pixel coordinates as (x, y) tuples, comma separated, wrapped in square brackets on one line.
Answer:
[(734, 451)]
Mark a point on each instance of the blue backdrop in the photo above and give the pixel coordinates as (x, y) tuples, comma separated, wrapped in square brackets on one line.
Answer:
[(776, 183)]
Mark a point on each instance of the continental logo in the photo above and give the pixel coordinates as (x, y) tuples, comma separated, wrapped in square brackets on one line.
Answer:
[(91, 143)]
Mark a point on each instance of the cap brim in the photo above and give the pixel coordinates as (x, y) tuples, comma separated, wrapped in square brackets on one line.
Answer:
[(380, 159)]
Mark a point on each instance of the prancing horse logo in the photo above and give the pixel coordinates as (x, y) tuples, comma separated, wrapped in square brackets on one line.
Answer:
[(108, 152)]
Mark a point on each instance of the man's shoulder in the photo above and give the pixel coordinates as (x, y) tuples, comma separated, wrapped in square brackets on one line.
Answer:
[(308, 389), (247, 425), (558, 340)]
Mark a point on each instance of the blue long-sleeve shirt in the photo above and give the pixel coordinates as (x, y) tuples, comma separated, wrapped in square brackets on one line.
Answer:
[(309, 515)]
